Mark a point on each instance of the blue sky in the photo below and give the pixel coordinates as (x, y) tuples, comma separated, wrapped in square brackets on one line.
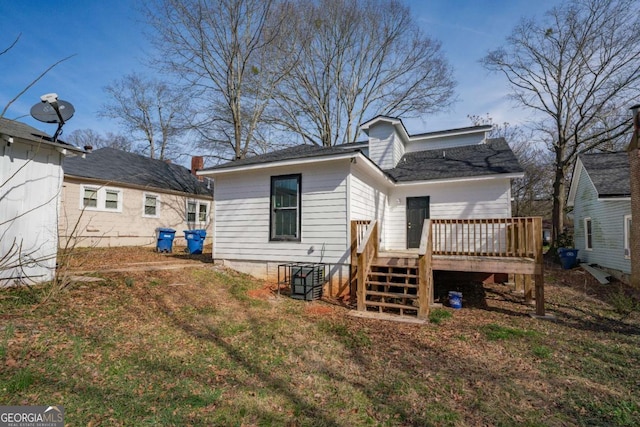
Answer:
[(107, 39)]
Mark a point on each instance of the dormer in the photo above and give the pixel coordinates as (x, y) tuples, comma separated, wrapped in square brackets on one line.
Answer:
[(389, 139)]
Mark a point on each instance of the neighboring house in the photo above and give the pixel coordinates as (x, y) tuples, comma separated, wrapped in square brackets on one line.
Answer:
[(297, 204), (30, 183), (601, 199), (116, 198)]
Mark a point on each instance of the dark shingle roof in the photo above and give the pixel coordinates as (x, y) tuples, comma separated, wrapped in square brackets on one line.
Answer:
[(117, 166), (493, 157), (24, 131), (292, 153), (609, 173)]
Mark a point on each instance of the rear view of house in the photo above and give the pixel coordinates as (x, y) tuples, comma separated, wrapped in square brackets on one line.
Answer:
[(116, 198), (298, 204)]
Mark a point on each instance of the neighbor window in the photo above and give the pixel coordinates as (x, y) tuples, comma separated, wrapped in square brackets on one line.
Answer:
[(90, 198), (151, 205), (111, 199), (197, 211), (627, 236), (285, 207), (588, 235), (100, 198)]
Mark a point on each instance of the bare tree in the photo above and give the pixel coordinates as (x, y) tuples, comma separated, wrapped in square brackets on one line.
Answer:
[(95, 140), (531, 194), (150, 109), (358, 59), (228, 51), (578, 69)]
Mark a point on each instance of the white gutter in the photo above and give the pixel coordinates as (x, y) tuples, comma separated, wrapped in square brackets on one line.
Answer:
[(461, 179)]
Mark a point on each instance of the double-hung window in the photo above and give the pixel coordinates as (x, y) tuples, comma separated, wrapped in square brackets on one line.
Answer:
[(588, 234), (151, 205), (96, 198), (197, 211), (285, 207)]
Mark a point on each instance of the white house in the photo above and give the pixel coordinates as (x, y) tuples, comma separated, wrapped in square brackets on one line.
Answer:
[(297, 204), (30, 183)]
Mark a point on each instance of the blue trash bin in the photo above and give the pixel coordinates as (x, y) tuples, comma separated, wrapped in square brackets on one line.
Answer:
[(455, 299), (568, 257), (195, 240), (165, 239)]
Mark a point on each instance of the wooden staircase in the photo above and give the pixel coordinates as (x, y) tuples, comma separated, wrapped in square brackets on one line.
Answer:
[(391, 285)]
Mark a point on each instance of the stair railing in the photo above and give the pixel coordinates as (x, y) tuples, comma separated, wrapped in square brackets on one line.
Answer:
[(367, 252)]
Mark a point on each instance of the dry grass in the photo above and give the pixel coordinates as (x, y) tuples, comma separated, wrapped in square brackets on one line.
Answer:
[(205, 346)]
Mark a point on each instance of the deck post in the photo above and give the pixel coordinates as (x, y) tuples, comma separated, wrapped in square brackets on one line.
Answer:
[(353, 279), (539, 268), (425, 273), (528, 289)]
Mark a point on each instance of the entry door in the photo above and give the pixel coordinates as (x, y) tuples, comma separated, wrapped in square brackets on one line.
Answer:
[(417, 212)]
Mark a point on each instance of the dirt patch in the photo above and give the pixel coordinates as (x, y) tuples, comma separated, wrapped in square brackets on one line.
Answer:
[(263, 293), (318, 309)]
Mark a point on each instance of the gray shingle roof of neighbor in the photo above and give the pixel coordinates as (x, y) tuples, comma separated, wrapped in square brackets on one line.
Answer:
[(609, 173), (29, 133), (493, 157), (117, 166)]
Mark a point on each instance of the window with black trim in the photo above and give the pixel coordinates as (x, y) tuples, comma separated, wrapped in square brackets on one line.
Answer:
[(285, 207)]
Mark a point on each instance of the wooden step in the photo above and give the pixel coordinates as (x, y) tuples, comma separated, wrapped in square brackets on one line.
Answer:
[(391, 294), (395, 262), (391, 284), (388, 274), (390, 305)]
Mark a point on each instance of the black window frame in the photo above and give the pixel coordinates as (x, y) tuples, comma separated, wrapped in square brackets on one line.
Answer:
[(273, 210)]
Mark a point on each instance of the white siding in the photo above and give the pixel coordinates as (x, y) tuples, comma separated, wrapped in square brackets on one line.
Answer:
[(242, 215), (607, 227), (385, 145), (467, 199), (445, 142), (29, 211)]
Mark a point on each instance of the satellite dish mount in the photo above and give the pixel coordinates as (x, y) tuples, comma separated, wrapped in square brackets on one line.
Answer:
[(52, 110)]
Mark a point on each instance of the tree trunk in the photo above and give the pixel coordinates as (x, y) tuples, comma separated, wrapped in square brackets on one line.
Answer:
[(557, 213)]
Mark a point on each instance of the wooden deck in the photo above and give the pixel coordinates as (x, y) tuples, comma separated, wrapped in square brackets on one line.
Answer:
[(403, 280)]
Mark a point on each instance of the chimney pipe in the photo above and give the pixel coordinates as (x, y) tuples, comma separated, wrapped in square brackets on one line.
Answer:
[(197, 163), (635, 111)]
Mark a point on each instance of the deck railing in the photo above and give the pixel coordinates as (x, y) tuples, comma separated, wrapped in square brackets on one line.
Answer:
[(503, 237), (367, 252)]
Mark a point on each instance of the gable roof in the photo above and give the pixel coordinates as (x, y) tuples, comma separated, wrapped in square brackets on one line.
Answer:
[(12, 128), (493, 157), (117, 166), (609, 173), (292, 153)]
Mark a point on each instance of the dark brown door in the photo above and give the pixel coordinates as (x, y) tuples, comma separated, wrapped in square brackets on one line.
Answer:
[(417, 212)]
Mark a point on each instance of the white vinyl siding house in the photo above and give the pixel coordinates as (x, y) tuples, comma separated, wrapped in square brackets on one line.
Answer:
[(30, 182), (357, 181), (598, 195)]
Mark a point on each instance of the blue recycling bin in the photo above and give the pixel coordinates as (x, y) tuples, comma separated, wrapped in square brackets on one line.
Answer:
[(165, 239), (455, 299), (195, 240), (568, 257)]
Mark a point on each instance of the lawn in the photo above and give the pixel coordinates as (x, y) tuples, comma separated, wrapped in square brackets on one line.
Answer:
[(207, 346)]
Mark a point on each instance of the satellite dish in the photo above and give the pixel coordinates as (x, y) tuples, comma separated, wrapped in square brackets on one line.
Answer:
[(52, 110), (46, 112)]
